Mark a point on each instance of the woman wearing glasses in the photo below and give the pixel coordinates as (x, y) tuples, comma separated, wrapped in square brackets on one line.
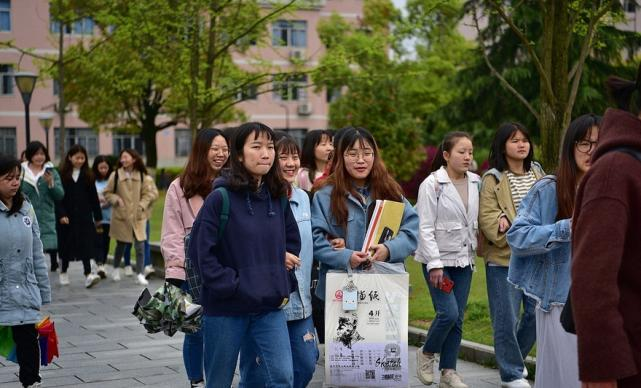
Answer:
[(339, 208), (540, 239)]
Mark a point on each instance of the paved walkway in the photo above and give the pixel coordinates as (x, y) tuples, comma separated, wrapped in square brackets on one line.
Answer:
[(103, 345)]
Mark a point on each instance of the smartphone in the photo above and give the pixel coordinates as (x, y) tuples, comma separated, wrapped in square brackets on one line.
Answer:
[(48, 170), (446, 285)]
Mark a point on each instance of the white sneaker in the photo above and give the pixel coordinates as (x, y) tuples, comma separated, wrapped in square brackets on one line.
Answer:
[(198, 384), (141, 280), (425, 367), (451, 379), (525, 372), (518, 383), (93, 265), (128, 271), (101, 271), (115, 275), (149, 269), (37, 384), (64, 279), (91, 280)]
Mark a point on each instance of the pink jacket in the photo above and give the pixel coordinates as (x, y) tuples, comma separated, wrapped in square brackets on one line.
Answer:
[(178, 217)]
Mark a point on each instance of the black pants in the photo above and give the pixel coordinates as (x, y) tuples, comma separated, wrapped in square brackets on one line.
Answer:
[(53, 255), (86, 265), (27, 352), (102, 245)]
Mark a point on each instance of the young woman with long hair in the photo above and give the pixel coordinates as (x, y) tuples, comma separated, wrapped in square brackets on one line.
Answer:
[(359, 179), (540, 239), (24, 284), (102, 170), (299, 309), (245, 285), (130, 191), (42, 186), (185, 198), (317, 152), (79, 215), (447, 205), (512, 172)]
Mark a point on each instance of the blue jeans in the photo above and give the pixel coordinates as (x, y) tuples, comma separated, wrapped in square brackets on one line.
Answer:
[(513, 337), (147, 250), (445, 332), (193, 352), (224, 335), (302, 340)]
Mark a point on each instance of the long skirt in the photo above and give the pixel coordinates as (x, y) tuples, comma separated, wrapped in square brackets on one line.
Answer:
[(557, 364)]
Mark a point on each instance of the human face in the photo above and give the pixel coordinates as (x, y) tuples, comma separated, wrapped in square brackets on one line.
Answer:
[(359, 160), (38, 159), (218, 153), (126, 160), (517, 147), (459, 159), (258, 155), (103, 169), (581, 156), (9, 185), (324, 149), (289, 164), (77, 160)]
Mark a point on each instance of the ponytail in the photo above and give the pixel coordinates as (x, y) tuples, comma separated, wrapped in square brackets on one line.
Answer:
[(449, 141)]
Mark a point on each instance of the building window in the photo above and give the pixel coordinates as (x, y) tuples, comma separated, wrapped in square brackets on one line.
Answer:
[(86, 137), (182, 137), (292, 88), (5, 15), (289, 33), (83, 26), (629, 5), (8, 141), (297, 133), (6, 79), (249, 92), (333, 94), (127, 140)]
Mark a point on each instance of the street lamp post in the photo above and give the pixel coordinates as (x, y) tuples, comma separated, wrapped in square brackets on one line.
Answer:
[(26, 83), (45, 121)]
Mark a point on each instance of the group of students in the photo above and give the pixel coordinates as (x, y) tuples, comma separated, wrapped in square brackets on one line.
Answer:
[(79, 209)]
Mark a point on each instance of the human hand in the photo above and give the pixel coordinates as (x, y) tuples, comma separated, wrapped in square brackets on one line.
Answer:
[(358, 258), (64, 220), (291, 261), (436, 277), (337, 243), (48, 178), (379, 252), (600, 384), (504, 224), (120, 202)]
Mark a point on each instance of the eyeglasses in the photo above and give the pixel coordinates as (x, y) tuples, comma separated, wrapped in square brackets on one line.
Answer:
[(353, 155), (585, 146)]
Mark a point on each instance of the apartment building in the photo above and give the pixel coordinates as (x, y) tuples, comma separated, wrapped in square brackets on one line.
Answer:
[(292, 107)]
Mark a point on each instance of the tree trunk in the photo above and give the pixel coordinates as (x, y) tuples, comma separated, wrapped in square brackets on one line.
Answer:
[(194, 65), (149, 131)]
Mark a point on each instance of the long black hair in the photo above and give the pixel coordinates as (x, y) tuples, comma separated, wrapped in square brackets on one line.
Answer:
[(66, 168), (33, 148), (308, 156), (449, 141), (94, 167), (11, 165), (237, 175), (497, 158), (625, 93)]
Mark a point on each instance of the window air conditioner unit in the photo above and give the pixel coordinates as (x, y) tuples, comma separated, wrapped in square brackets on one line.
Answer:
[(296, 55), (305, 109)]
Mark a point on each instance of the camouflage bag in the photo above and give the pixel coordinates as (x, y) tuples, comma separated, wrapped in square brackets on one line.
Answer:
[(169, 309)]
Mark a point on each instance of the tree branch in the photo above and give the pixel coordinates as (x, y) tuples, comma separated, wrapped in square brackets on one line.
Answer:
[(535, 58), (506, 84)]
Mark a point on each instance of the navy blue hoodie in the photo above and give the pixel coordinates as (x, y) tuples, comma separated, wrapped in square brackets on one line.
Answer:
[(245, 272)]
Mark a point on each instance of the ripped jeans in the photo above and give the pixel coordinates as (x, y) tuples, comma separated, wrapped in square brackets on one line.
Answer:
[(302, 338)]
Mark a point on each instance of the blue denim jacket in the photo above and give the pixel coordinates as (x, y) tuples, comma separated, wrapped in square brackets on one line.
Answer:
[(300, 301), (324, 224), (541, 247)]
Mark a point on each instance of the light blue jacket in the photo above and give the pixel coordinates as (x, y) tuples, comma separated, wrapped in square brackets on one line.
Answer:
[(24, 283), (324, 225), (300, 301), (541, 247)]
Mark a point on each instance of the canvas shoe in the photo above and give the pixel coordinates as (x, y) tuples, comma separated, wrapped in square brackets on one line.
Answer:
[(451, 379), (93, 265), (425, 367), (101, 271), (141, 280), (37, 384), (518, 383), (115, 275), (91, 280), (64, 279), (197, 384), (129, 271), (525, 372), (149, 269)]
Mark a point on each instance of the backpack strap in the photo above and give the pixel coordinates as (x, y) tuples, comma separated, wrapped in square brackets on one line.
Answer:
[(116, 182), (224, 214)]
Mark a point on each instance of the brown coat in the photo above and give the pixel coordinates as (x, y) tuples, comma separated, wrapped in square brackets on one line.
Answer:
[(128, 222), (606, 262)]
